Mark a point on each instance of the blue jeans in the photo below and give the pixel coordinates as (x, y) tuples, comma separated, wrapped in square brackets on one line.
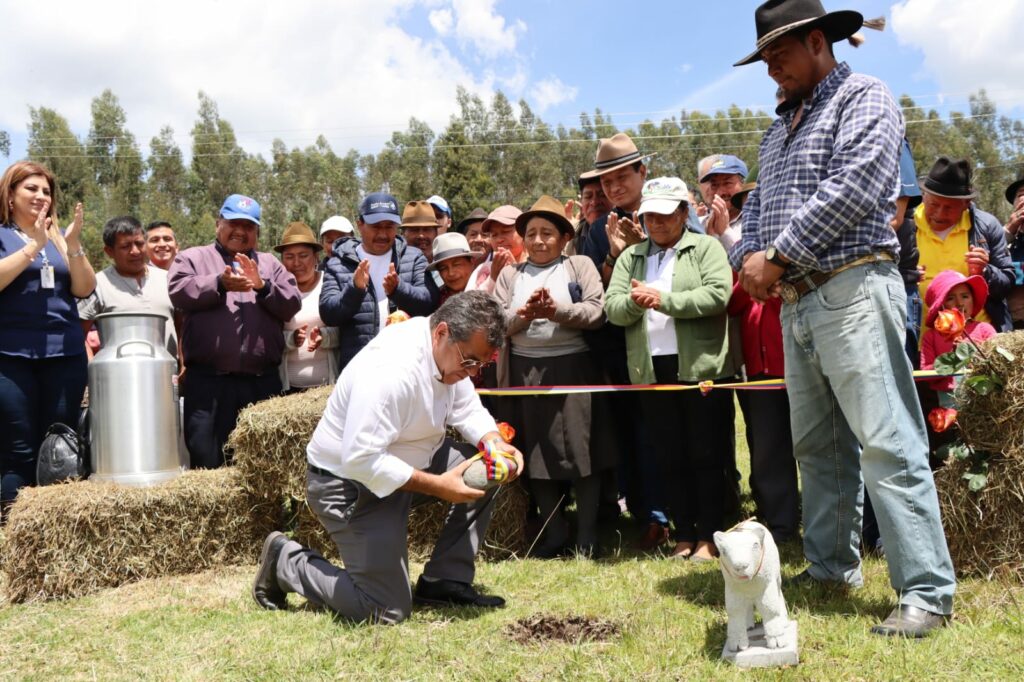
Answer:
[(854, 411), (34, 394)]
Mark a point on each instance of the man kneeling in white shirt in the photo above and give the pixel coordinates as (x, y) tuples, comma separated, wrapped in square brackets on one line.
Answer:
[(378, 449)]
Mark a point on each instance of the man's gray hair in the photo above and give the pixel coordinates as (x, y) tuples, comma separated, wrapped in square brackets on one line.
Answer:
[(470, 312)]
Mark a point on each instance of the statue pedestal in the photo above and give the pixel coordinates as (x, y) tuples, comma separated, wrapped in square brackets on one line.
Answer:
[(757, 655)]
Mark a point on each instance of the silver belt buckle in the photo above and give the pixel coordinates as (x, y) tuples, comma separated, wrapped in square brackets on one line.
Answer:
[(788, 293)]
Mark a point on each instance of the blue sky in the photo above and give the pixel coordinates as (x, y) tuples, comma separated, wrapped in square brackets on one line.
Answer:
[(357, 70)]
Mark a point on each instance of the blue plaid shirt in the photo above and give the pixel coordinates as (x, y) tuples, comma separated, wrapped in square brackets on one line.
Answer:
[(826, 191)]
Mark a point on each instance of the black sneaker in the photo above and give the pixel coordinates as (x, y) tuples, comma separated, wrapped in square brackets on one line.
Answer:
[(265, 588), (452, 593)]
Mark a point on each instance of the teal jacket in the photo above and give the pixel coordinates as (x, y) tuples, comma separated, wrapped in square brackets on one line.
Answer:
[(701, 285)]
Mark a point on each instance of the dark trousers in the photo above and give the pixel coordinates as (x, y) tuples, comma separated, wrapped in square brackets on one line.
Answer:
[(34, 394), (212, 404), (683, 428), (772, 466)]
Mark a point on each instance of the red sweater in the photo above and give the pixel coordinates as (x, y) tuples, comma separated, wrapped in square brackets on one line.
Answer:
[(761, 332)]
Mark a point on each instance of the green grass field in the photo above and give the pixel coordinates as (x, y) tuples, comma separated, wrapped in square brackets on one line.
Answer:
[(670, 616)]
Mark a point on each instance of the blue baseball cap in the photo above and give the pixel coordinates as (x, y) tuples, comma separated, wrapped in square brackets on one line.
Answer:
[(439, 202), (240, 207), (726, 164), (379, 206)]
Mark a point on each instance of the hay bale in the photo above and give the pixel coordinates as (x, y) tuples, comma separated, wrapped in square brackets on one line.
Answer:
[(72, 539), (995, 422), (985, 530), (269, 444)]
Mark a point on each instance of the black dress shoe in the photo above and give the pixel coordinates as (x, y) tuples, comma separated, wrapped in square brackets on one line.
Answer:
[(909, 621), (452, 593), (265, 589)]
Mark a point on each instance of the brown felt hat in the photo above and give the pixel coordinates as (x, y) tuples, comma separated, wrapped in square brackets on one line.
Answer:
[(418, 214), (549, 208), (478, 215), (613, 153), (740, 197), (298, 233)]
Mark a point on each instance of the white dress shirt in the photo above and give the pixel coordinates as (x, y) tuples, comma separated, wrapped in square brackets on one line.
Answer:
[(661, 328), (388, 412)]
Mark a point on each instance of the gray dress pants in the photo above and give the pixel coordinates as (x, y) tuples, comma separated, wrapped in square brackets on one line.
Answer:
[(371, 534)]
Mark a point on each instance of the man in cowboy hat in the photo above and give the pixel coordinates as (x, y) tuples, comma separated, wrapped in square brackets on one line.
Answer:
[(420, 227), (235, 301), (953, 234), (620, 167), (816, 231), (453, 262), (1015, 299)]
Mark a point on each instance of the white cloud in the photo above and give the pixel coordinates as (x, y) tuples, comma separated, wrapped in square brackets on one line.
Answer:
[(442, 21), (478, 24), (550, 92), (685, 68), (966, 45), (290, 70)]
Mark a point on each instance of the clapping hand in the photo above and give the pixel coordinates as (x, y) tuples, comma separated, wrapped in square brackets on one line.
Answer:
[(502, 257), (540, 306), (361, 277), (718, 217), (250, 270), (315, 339), (644, 296), (623, 232), (37, 231), (390, 280)]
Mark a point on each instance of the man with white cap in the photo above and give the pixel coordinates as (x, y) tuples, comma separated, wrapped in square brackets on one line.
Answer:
[(335, 229), (442, 213), (453, 262)]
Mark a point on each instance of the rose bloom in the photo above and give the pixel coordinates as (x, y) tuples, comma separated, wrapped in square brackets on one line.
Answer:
[(506, 431), (950, 323), (941, 418)]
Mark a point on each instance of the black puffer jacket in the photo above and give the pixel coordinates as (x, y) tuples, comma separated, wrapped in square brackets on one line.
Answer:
[(354, 311)]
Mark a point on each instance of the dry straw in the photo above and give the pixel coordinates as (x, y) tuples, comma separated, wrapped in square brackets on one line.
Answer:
[(72, 539), (985, 530)]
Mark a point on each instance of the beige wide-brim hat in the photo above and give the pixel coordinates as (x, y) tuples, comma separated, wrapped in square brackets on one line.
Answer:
[(549, 208), (451, 245), (613, 153), (299, 234), (418, 214)]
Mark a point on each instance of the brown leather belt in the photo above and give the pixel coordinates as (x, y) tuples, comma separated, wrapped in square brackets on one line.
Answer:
[(791, 292)]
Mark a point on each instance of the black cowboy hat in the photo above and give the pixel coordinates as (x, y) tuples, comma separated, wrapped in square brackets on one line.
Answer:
[(1011, 191), (776, 18), (949, 179)]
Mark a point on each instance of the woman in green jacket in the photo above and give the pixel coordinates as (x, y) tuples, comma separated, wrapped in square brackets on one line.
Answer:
[(670, 292)]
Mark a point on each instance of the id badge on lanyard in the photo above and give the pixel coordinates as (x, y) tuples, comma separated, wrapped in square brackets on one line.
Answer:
[(46, 276)]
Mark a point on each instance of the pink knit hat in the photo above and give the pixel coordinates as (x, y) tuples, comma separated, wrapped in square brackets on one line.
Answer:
[(944, 282)]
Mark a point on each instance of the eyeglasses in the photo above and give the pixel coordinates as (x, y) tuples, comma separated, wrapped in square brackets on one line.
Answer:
[(470, 364)]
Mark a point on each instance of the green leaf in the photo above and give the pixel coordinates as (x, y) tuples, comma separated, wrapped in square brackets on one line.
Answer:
[(959, 451), (964, 351), (982, 384), (948, 363), (1006, 354), (977, 482)]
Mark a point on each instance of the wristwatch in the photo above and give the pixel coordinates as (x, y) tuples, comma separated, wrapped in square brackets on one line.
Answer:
[(772, 255)]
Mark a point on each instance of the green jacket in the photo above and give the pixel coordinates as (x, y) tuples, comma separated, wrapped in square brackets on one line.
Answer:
[(701, 285)]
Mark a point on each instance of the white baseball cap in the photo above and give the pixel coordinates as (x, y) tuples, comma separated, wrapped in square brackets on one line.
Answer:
[(663, 195), (336, 223)]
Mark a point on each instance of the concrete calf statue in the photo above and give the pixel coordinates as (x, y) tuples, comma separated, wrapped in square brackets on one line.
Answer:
[(750, 566)]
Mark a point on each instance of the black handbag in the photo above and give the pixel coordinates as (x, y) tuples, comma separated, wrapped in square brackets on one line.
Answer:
[(63, 453)]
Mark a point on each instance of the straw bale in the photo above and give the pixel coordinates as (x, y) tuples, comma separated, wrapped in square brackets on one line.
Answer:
[(985, 530), (269, 451), (995, 423), (269, 442), (71, 539)]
